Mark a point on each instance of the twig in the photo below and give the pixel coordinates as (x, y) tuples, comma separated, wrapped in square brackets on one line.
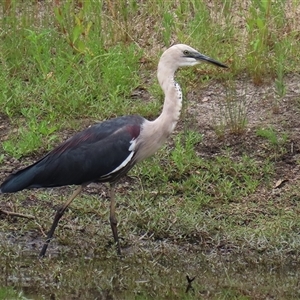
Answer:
[(15, 214), (41, 229), (189, 285)]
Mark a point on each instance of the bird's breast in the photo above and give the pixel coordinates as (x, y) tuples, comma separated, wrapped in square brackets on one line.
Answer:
[(151, 139)]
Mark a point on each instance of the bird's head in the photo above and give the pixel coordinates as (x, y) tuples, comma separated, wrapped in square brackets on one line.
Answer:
[(181, 55)]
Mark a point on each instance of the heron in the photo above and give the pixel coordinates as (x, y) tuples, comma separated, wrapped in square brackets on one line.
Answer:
[(106, 151)]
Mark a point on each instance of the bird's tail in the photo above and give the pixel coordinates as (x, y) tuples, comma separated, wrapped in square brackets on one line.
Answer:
[(18, 181)]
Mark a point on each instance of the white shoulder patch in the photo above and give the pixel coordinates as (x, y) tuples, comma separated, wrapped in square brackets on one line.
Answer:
[(132, 145), (128, 159)]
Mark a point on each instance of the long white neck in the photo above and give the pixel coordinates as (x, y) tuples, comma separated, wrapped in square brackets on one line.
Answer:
[(155, 133), (172, 104)]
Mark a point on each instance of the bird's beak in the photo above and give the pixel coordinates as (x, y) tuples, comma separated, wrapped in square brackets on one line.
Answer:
[(201, 57)]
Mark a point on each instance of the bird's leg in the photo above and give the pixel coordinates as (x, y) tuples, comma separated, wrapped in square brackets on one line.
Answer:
[(57, 217), (112, 217)]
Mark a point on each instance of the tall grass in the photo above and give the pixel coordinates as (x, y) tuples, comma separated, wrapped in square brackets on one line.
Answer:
[(67, 60)]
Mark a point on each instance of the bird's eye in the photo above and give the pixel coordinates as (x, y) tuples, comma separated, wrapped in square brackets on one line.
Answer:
[(186, 52)]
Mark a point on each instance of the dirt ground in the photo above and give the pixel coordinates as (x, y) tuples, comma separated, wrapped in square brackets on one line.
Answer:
[(262, 111)]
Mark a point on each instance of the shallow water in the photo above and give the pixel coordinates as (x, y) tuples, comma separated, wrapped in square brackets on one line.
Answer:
[(149, 270)]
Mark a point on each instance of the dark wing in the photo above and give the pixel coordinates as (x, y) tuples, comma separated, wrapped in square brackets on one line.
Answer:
[(99, 153)]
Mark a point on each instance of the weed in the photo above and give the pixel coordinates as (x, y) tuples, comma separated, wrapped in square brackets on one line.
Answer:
[(264, 19), (39, 50), (168, 24), (258, 29), (10, 293), (28, 140), (74, 24), (276, 142), (232, 111)]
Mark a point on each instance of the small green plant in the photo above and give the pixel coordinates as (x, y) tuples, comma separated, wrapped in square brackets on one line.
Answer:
[(7, 293), (276, 142), (203, 27), (231, 113), (183, 155), (258, 34), (74, 24), (168, 23), (29, 139), (271, 135), (39, 49), (26, 143)]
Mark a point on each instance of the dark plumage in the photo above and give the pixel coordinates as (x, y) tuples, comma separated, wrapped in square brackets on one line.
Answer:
[(106, 151), (84, 158)]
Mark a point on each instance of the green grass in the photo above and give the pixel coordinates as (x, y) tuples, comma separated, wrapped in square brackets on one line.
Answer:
[(69, 62), (10, 293), (210, 212)]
